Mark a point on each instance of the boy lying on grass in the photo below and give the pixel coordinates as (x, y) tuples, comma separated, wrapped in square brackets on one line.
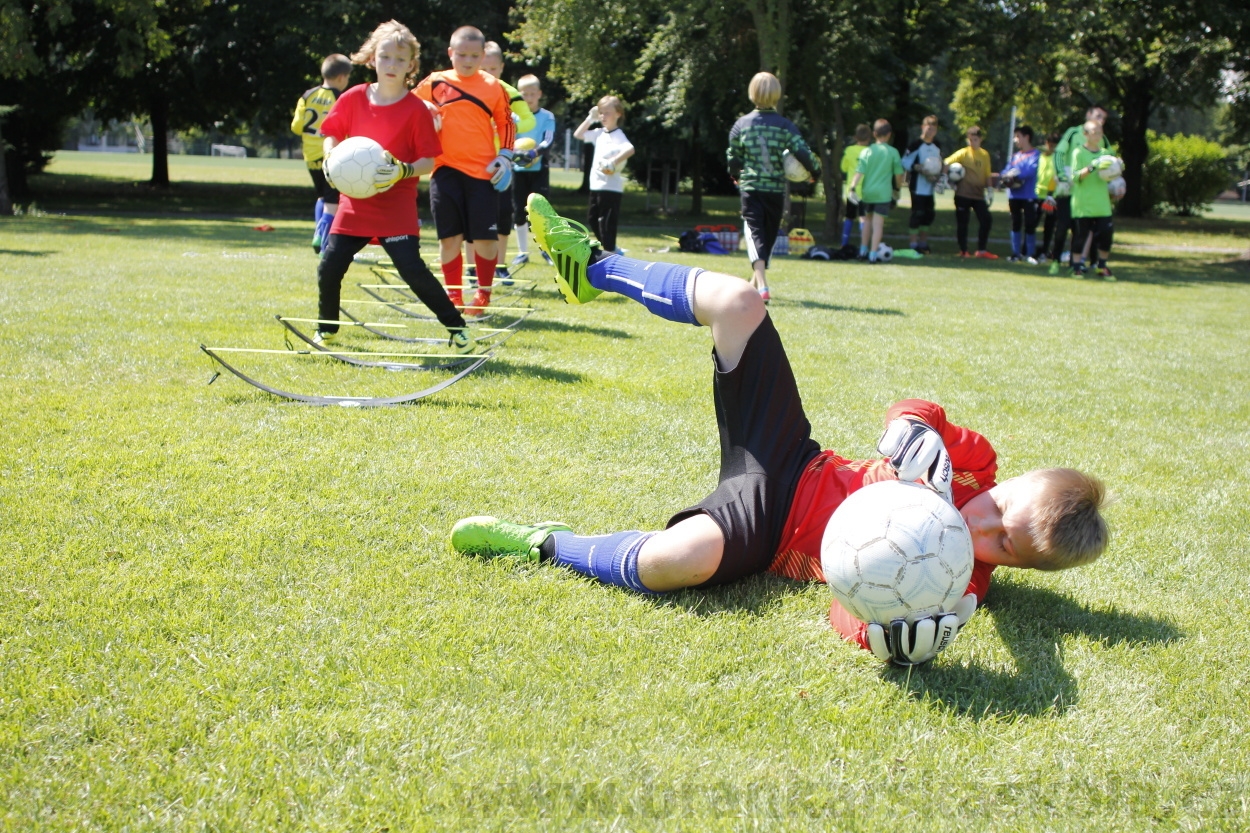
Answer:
[(777, 488)]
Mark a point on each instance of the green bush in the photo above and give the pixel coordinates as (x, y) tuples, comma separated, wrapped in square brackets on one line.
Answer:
[(1183, 174)]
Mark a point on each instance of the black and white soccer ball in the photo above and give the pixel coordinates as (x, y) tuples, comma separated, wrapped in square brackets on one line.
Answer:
[(1117, 188), (1110, 167), (884, 254), (954, 173), (896, 550), (351, 166)]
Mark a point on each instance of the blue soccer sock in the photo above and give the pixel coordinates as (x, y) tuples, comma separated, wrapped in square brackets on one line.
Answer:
[(1030, 244), (612, 559), (847, 225), (318, 209), (665, 289), (1015, 243)]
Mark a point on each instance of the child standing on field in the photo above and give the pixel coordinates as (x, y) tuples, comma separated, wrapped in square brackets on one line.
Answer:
[(310, 112), (476, 163), (385, 112), (1091, 202), (607, 185), (970, 194), (880, 171), (923, 163), (850, 158), (531, 175), (1020, 176), (757, 143), (1046, 183)]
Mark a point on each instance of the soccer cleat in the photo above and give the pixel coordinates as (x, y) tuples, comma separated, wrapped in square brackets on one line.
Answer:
[(964, 254), (547, 258), (1032, 261), (457, 297), (1043, 259), (322, 338), (481, 300), (984, 255), (502, 275), (1054, 268), (521, 258), (460, 341), (1015, 259), (491, 537), (569, 244), (1078, 271), (1105, 273), (765, 296)]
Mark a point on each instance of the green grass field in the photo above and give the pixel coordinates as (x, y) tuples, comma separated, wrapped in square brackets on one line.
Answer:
[(222, 611)]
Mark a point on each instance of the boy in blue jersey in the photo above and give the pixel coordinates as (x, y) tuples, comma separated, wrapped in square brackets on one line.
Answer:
[(1020, 177), (310, 112), (923, 164), (530, 175), (757, 144), (880, 172)]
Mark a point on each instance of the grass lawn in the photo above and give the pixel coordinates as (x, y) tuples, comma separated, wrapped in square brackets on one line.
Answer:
[(224, 611)]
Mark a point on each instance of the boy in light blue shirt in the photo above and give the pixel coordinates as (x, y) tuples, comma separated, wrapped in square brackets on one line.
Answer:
[(531, 177)]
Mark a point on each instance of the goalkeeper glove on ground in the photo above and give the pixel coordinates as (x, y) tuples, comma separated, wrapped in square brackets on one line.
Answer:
[(916, 643), (916, 451)]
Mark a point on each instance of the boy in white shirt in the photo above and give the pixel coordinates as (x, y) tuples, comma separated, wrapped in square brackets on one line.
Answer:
[(607, 185)]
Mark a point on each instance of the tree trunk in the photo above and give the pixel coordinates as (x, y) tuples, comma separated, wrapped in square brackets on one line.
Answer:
[(830, 173), (900, 120), (772, 33), (696, 171), (6, 202), (1138, 105), (160, 141)]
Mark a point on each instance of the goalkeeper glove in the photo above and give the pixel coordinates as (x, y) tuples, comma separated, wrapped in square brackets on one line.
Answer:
[(392, 171), (524, 158), (916, 451), (500, 167), (922, 640), (1049, 204), (852, 197)]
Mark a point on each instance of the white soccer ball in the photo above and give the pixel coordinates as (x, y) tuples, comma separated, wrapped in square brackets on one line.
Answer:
[(884, 254), (1110, 167), (795, 171), (351, 166), (1117, 187), (896, 550), (931, 166), (954, 173)]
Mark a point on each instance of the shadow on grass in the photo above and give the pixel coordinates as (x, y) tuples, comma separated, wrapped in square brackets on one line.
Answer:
[(755, 595), (20, 253), (563, 327), (1150, 268), (821, 305), (227, 230), (59, 192), (1032, 622), (503, 367)]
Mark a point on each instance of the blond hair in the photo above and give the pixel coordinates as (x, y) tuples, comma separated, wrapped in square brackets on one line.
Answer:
[(527, 81), (492, 48), (933, 120), (391, 30), (615, 103), (1067, 528), (764, 90)]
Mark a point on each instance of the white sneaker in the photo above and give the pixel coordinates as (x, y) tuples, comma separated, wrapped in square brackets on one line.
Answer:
[(523, 257), (1032, 261), (322, 338)]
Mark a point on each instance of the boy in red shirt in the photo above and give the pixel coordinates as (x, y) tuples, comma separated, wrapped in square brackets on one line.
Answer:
[(477, 133), (385, 112), (777, 488)]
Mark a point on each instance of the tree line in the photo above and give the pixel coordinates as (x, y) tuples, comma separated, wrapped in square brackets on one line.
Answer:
[(682, 65)]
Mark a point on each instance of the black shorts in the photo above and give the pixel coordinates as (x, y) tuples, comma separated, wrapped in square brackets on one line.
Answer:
[(325, 191), (922, 211), (463, 205), (503, 223), (765, 444), (525, 183), (761, 214), (851, 211), (1101, 228)]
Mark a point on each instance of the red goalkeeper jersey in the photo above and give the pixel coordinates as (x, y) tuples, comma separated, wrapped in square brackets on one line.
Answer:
[(406, 129), (829, 478)]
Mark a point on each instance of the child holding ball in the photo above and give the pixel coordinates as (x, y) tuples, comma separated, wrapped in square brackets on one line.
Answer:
[(385, 112), (607, 185)]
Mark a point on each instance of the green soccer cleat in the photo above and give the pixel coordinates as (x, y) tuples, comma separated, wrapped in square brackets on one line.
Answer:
[(460, 342), (569, 244), (494, 538)]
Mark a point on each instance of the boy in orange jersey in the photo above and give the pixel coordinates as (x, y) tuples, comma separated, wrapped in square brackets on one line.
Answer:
[(477, 137), (777, 489)]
